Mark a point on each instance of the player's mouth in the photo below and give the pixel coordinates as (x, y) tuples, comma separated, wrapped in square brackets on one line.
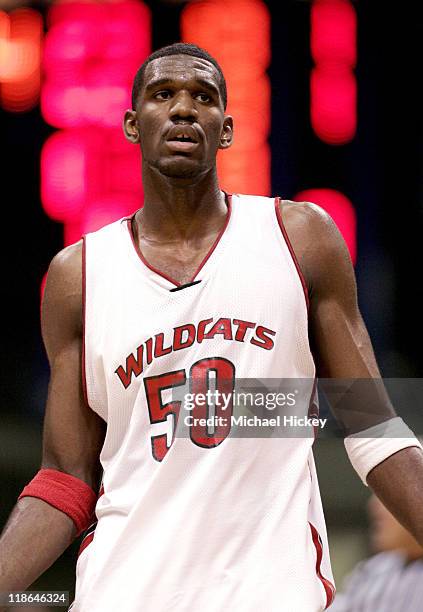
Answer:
[(184, 146), (182, 139)]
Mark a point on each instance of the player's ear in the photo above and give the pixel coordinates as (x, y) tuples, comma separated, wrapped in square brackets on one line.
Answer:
[(130, 127), (227, 134)]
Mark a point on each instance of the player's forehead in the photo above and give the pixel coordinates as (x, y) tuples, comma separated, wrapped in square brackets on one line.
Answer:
[(181, 68)]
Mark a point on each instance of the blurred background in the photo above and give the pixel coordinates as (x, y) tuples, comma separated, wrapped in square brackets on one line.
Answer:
[(327, 101)]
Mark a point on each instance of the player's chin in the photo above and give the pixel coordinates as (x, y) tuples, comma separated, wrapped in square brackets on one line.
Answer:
[(180, 166)]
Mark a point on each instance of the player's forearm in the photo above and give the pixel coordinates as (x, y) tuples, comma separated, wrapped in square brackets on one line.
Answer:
[(398, 482), (36, 534)]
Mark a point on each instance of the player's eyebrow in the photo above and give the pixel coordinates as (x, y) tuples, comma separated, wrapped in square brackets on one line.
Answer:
[(167, 81), (157, 83), (208, 85)]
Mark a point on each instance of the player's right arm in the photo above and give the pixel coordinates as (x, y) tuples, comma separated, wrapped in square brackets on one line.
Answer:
[(388, 460), (37, 533)]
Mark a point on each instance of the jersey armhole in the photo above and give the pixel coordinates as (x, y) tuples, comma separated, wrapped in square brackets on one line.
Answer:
[(291, 250), (84, 299)]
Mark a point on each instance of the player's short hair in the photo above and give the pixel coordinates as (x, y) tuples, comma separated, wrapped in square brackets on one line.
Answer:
[(178, 49)]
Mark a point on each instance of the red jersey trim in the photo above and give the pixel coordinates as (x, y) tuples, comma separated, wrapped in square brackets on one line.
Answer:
[(327, 585), (291, 250), (228, 199), (84, 296), (85, 542), (313, 406), (141, 256), (90, 532)]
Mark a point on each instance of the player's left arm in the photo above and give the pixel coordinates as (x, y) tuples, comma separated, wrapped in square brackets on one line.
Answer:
[(342, 350)]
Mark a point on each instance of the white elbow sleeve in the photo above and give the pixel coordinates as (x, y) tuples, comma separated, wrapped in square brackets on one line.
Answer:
[(367, 448)]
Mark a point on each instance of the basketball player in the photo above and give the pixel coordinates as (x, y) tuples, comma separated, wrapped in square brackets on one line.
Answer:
[(195, 284)]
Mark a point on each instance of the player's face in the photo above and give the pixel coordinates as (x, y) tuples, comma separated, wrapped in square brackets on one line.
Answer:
[(180, 116)]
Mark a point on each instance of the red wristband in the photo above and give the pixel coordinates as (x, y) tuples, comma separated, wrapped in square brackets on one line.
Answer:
[(64, 492)]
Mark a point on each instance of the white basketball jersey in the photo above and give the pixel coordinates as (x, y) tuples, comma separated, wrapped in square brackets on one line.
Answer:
[(192, 517)]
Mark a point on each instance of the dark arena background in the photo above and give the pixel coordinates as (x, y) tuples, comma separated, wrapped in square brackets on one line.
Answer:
[(327, 103)]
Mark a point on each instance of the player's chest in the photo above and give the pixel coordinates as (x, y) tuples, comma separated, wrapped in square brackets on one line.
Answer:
[(229, 309), (177, 262)]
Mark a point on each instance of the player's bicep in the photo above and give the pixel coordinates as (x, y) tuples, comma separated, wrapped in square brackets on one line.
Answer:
[(73, 433), (340, 341)]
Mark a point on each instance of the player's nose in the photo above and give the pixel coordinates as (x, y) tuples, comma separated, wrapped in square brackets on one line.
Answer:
[(183, 106)]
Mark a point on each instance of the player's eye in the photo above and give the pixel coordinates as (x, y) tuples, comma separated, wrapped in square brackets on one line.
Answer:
[(162, 95), (202, 97)]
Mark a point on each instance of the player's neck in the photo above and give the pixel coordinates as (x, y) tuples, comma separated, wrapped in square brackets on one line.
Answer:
[(181, 210)]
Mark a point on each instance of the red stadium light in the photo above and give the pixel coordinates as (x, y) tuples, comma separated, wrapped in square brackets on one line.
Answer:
[(237, 33), (63, 175), (20, 57), (333, 90), (80, 166), (90, 175), (333, 32), (340, 208), (333, 107), (99, 212), (91, 54), (106, 209)]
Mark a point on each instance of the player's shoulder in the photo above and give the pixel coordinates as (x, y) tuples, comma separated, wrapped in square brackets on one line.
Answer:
[(69, 254), (311, 226), (319, 248), (66, 265), (305, 214), (301, 215), (64, 285), (62, 304)]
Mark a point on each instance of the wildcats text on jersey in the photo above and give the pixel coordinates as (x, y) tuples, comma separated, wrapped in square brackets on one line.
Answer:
[(184, 336)]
